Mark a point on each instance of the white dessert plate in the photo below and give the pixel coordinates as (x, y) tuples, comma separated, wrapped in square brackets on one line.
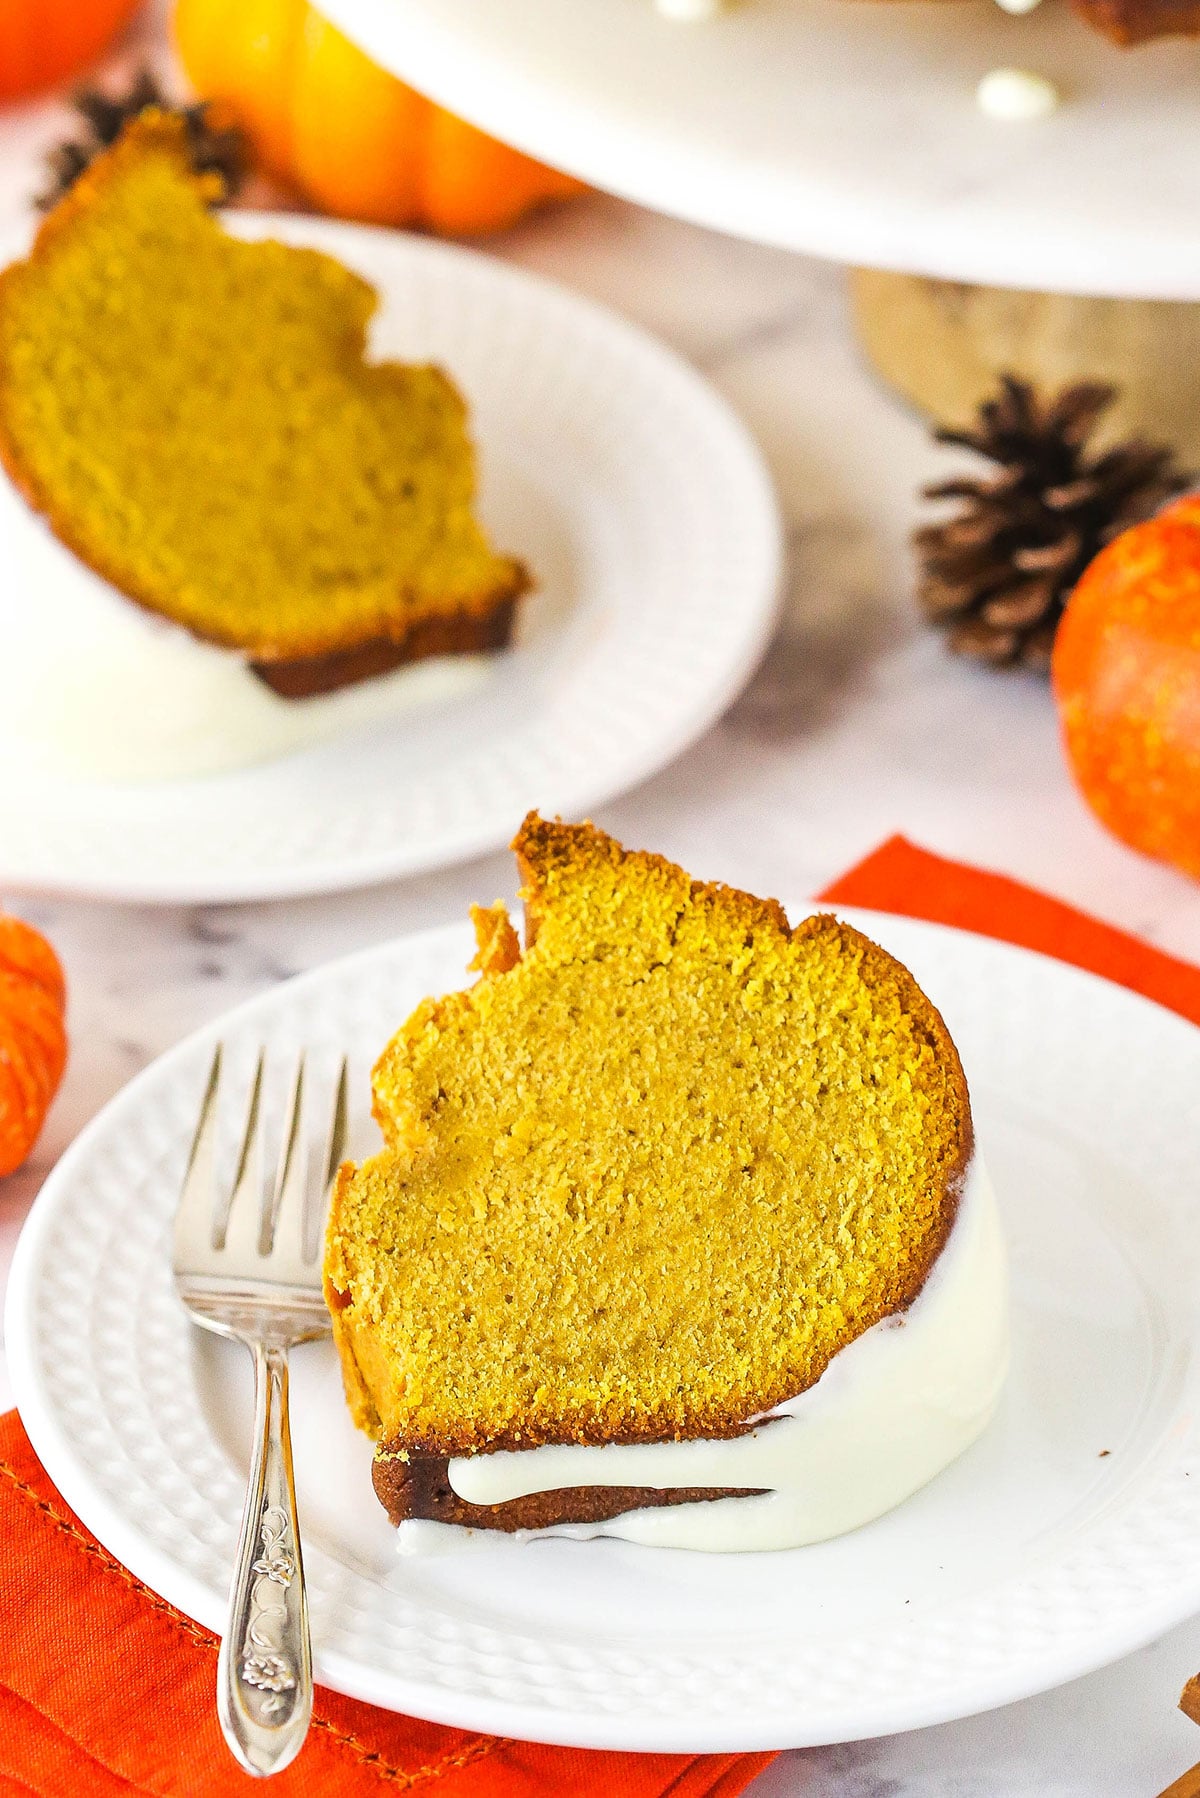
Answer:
[(628, 486), (1066, 1536), (845, 129)]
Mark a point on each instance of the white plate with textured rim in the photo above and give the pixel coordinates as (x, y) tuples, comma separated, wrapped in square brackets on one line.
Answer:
[(845, 130), (1067, 1536), (648, 518)]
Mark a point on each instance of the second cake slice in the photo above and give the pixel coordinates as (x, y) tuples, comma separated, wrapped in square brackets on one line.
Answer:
[(198, 419)]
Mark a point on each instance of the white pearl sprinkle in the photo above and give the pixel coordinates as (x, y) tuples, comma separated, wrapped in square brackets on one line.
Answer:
[(1018, 6), (687, 11), (1015, 95)]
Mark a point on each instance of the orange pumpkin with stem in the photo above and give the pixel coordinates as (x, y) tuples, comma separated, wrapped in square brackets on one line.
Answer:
[(33, 1038), (1126, 671), (44, 41), (354, 140)]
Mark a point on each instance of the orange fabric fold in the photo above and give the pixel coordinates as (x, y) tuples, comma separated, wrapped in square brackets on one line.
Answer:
[(900, 877), (107, 1689)]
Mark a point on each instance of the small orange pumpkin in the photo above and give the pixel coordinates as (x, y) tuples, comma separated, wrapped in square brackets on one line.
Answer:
[(44, 41), (354, 140), (33, 1037), (1126, 672)]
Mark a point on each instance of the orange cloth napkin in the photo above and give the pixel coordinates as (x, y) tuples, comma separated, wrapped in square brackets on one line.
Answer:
[(106, 1689), (899, 877)]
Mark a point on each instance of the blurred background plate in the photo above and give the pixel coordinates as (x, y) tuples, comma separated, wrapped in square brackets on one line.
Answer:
[(841, 127), (649, 521)]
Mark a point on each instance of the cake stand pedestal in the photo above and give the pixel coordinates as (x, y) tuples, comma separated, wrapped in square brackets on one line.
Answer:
[(943, 344)]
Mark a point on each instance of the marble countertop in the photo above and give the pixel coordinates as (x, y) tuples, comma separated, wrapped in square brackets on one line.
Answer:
[(857, 725)]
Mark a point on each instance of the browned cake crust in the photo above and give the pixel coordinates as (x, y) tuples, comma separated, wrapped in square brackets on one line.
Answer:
[(420, 1487), (465, 633), (1129, 22)]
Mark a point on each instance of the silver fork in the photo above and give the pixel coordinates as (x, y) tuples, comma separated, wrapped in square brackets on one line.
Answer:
[(246, 1270)]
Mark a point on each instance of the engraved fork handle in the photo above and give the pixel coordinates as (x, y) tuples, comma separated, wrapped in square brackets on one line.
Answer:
[(264, 1672)]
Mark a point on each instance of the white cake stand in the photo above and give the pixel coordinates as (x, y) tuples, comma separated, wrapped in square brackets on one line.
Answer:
[(841, 127)]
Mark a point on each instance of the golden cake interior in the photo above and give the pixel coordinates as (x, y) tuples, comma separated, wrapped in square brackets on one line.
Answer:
[(197, 418), (645, 1178)]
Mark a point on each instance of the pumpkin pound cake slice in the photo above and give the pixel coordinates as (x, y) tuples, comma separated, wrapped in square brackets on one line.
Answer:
[(196, 417), (677, 1233)]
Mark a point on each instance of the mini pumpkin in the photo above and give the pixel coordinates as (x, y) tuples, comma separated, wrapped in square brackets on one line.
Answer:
[(44, 41), (1126, 673), (33, 1037), (354, 140)]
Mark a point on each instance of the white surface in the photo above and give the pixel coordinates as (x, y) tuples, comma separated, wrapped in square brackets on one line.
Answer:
[(1069, 1533), (857, 725), (891, 1411), (635, 496), (846, 129)]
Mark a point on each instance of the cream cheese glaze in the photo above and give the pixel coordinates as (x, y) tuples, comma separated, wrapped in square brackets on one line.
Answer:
[(94, 688), (892, 1410)]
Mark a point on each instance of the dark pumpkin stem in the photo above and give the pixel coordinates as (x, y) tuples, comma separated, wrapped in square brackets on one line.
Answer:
[(217, 145)]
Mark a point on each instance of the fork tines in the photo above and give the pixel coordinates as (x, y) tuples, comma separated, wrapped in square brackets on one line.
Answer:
[(258, 1230)]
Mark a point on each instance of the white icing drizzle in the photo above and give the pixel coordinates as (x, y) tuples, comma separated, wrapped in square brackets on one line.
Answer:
[(892, 1410)]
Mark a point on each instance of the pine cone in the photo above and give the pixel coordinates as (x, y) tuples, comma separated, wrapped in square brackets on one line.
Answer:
[(998, 572), (217, 147)]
